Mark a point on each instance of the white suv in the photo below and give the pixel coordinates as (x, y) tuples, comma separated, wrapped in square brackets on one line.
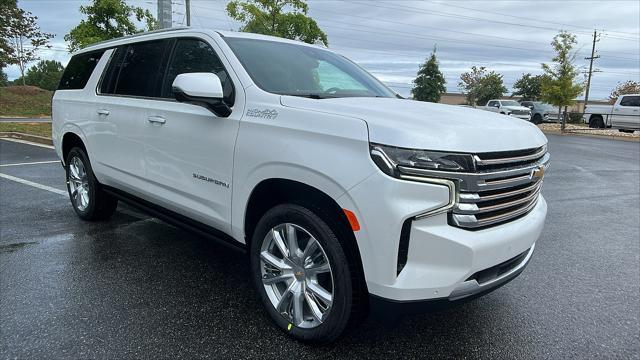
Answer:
[(348, 199)]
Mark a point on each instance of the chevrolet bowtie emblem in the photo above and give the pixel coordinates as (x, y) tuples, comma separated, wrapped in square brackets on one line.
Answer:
[(538, 173)]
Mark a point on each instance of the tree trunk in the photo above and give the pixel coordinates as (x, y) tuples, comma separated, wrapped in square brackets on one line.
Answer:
[(562, 120)]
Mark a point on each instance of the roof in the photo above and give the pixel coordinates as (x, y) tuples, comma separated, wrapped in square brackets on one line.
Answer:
[(152, 34)]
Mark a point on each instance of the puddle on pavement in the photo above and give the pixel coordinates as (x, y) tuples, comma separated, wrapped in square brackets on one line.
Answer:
[(15, 247)]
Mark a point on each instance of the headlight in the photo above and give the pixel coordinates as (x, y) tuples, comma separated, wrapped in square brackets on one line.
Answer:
[(388, 158)]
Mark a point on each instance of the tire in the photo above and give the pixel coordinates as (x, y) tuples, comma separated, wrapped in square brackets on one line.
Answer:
[(596, 122), (536, 119), (88, 199), (298, 282)]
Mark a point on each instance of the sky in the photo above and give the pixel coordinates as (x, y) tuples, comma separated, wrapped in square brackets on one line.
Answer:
[(391, 38)]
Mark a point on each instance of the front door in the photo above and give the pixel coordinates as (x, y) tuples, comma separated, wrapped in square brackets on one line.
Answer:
[(189, 158)]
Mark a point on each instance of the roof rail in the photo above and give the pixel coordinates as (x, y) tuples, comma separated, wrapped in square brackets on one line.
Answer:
[(104, 42)]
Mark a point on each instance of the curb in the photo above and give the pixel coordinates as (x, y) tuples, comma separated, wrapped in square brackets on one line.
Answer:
[(27, 137), (608, 137)]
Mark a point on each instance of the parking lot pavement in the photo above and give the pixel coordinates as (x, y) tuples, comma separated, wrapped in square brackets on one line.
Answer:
[(136, 287)]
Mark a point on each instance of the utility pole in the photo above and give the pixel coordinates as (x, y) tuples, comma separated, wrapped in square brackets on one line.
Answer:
[(187, 5), (164, 14), (596, 38)]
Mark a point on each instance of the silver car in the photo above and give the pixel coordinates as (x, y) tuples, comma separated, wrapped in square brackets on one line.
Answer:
[(541, 111)]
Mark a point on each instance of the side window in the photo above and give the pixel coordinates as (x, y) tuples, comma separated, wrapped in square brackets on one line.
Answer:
[(110, 76), (193, 55), (630, 101), (141, 70), (492, 103), (79, 70)]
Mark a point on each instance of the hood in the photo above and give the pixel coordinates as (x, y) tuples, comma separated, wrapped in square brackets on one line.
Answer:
[(521, 108), (422, 125)]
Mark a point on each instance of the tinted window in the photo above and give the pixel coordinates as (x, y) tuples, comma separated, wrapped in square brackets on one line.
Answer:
[(630, 101), (141, 70), (79, 70), (193, 55), (110, 77), (298, 70), (492, 103)]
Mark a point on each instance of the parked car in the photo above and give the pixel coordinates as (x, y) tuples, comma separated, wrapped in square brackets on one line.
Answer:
[(624, 114), (508, 107), (541, 111), (347, 199)]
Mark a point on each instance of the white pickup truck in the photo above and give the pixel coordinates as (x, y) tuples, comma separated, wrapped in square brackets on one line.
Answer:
[(624, 114), (508, 107)]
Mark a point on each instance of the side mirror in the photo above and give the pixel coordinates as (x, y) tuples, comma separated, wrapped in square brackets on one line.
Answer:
[(204, 89)]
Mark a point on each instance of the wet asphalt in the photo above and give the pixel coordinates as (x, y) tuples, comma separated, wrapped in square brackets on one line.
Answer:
[(135, 287)]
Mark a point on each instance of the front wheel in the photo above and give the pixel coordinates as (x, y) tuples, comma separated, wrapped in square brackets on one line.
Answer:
[(301, 273), (88, 199), (537, 119)]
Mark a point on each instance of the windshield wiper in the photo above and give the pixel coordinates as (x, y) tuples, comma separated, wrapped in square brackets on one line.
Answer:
[(311, 95)]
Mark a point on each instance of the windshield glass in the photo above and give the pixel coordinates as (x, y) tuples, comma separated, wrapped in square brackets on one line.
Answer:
[(509, 103), (290, 69), (544, 106)]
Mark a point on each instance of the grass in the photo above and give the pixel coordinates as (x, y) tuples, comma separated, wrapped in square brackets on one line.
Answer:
[(25, 101), (40, 129)]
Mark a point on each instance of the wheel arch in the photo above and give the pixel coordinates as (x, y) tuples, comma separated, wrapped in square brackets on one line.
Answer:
[(70, 140), (274, 191)]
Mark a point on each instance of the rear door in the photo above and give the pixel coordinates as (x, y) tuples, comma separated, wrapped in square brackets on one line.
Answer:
[(128, 88), (626, 114), (190, 156)]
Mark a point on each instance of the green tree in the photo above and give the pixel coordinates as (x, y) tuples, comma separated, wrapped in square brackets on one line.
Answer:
[(270, 17), (45, 74), (108, 19), (528, 86), (560, 86), (429, 84), (6, 51), (21, 34), (624, 88), (481, 85), (4, 80)]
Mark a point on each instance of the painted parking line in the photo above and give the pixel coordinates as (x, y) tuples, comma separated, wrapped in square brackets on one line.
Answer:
[(32, 163), (27, 142), (33, 184)]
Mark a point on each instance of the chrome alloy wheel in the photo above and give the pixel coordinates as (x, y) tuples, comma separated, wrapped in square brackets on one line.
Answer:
[(78, 183), (296, 275)]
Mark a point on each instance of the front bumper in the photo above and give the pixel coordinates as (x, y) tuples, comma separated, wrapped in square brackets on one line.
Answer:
[(441, 258), (387, 309), (522, 116)]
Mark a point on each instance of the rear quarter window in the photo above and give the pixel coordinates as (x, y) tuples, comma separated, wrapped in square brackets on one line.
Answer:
[(630, 101), (79, 70)]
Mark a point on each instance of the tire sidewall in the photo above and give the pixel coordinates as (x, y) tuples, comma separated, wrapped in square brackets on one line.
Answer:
[(89, 211), (338, 318)]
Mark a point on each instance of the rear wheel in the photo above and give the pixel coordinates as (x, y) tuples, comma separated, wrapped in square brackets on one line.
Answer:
[(596, 122), (302, 273), (88, 199)]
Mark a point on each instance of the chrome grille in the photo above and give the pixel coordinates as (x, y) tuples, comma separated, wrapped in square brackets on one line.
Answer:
[(505, 186), (520, 112)]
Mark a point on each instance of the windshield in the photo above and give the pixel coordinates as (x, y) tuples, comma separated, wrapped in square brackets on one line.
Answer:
[(290, 69), (509, 103), (544, 106)]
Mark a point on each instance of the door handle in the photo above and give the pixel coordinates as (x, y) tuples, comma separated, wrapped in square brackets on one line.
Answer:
[(156, 119), (103, 112)]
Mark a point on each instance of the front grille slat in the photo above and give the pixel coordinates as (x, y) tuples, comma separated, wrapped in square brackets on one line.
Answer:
[(503, 189)]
